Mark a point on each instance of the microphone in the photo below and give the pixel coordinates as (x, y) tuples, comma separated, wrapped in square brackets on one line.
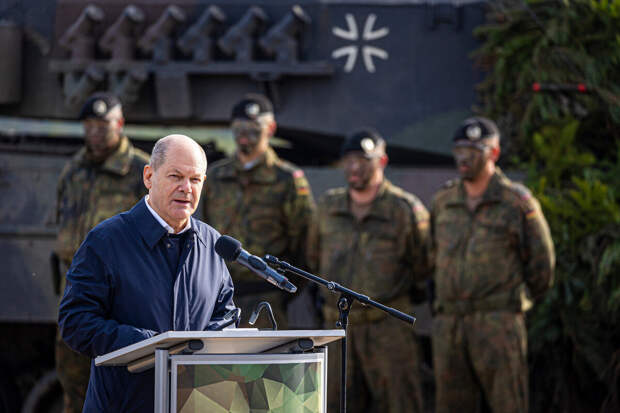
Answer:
[(230, 249)]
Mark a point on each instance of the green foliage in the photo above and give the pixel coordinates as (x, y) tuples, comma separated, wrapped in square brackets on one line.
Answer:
[(550, 42), (569, 143), (575, 329)]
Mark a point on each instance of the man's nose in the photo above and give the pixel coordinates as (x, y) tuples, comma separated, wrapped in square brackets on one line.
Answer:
[(354, 165), (186, 186)]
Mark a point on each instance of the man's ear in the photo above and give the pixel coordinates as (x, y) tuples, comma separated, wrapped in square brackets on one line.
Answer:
[(147, 176), (383, 161), (495, 152), (272, 127)]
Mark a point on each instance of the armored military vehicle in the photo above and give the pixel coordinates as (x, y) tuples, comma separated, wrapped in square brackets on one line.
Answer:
[(329, 66)]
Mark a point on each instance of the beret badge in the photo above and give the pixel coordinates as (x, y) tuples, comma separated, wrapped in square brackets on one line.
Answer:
[(252, 110), (473, 132), (99, 107)]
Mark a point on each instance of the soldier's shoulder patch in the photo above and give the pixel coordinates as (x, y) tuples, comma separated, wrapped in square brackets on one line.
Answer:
[(525, 199), (531, 214), (302, 187), (303, 190)]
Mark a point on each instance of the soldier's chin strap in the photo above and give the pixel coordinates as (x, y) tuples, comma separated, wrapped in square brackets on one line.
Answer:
[(345, 302)]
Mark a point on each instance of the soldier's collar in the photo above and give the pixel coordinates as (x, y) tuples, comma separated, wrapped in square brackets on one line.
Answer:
[(491, 194), (377, 209), (494, 190), (261, 172), (119, 162)]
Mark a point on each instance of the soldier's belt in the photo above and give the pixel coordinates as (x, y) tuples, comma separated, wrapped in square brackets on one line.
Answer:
[(463, 307), (367, 314)]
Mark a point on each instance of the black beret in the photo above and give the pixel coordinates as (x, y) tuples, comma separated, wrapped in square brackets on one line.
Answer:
[(98, 106), (251, 107), (475, 129), (368, 141)]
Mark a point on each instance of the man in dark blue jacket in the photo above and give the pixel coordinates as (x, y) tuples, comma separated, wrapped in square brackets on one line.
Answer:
[(145, 271)]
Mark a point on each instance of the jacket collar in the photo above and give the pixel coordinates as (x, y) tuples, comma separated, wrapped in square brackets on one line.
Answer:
[(152, 231), (380, 207), (491, 194), (118, 163)]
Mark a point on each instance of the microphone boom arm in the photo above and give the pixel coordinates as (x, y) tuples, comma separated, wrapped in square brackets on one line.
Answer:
[(337, 288)]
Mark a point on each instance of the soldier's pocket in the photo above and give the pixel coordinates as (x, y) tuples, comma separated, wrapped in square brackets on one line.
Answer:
[(448, 231), (490, 237), (265, 220)]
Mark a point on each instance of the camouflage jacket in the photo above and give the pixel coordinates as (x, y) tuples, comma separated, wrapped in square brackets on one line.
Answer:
[(90, 193), (267, 208), (381, 256), (484, 259)]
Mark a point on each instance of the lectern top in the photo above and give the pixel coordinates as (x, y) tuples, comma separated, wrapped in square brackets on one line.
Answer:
[(232, 341)]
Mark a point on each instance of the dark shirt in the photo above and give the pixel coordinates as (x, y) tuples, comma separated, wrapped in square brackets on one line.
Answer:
[(121, 290)]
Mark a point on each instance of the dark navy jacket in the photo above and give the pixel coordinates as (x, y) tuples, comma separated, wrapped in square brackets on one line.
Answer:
[(120, 290)]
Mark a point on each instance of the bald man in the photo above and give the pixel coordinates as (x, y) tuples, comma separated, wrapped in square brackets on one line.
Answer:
[(145, 271)]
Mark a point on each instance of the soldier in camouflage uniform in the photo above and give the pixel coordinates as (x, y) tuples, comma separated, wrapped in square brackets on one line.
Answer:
[(492, 252), (103, 179), (262, 201), (372, 237)]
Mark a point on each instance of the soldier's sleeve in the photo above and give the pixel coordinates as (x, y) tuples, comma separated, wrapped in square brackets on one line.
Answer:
[(537, 252), (298, 209), (419, 241)]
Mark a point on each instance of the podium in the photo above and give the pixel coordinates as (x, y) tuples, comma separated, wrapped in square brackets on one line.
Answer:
[(234, 370)]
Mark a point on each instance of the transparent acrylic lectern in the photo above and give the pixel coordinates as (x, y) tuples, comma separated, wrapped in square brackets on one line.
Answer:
[(233, 370)]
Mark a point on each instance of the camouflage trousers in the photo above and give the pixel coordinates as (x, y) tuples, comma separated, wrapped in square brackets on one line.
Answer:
[(73, 371), (383, 369), (480, 358)]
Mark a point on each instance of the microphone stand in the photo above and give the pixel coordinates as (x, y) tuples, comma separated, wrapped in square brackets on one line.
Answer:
[(345, 302)]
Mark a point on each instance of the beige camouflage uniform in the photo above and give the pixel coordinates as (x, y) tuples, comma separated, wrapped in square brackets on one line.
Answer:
[(381, 256), (484, 260), (268, 209), (88, 194)]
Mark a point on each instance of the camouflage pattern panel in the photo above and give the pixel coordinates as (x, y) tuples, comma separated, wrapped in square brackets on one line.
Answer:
[(89, 193), (478, 255), (381, 256), (481, 351), (267, 208)]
